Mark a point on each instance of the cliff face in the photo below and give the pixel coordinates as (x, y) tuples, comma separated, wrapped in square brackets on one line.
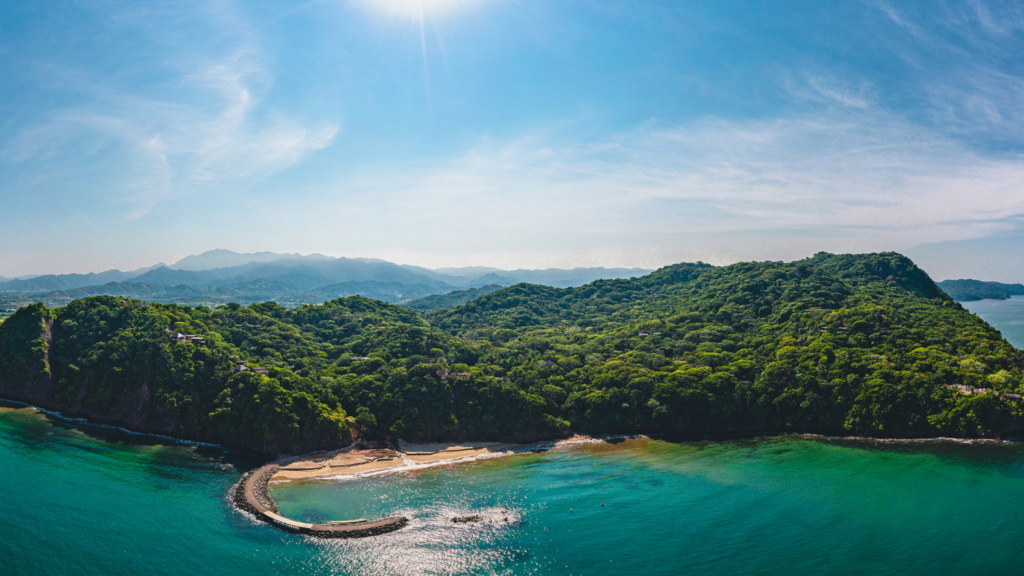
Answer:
[(133, 411), (25, 340), (115, 363), (27, 374)]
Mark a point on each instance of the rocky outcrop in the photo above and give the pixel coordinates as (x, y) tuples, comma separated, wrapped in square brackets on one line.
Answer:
[(467, 519)]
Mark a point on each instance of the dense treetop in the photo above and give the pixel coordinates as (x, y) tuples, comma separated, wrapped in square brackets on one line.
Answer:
[(862, 344), (450, 300)]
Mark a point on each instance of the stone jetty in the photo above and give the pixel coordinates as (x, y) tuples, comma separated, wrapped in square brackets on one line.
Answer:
[(253, 495)]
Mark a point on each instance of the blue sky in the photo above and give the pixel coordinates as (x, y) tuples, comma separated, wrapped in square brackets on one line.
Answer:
[(512, 133)]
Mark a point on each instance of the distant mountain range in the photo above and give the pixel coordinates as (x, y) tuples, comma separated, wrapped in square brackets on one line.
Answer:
[(971, 290), (68, 281), (221, 276), (221, 258)]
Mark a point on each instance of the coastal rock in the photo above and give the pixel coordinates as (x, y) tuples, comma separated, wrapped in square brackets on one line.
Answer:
[(467, 519)]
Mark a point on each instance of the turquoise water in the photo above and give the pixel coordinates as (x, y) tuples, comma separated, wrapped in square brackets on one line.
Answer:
[(78, 500), (1006, 315)]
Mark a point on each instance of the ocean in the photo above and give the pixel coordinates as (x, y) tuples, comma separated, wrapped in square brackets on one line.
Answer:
[(86, 500), (81, 500)]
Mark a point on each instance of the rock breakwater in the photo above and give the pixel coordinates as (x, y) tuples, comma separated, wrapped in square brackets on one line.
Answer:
[(253, 495)]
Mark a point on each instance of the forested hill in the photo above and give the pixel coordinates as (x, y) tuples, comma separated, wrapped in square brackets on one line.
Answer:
[(972, 290), (450, 300), (863, 344)]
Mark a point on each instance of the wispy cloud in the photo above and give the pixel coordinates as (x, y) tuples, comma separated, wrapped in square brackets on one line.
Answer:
[(827, 88), (969, 65), (862, 180), (900, 19), (211, 129)]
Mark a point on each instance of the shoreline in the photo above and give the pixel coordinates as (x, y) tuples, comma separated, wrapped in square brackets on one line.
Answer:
[(91, 422), (352, 462), (349, 463), (452, 453)]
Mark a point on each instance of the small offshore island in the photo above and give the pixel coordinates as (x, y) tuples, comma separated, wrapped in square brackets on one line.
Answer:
[(860, 345)]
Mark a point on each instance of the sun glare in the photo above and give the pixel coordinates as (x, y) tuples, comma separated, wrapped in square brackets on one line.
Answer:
[(416, 8)]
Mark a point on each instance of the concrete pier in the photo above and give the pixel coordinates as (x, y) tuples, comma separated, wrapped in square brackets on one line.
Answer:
[(252, 495)]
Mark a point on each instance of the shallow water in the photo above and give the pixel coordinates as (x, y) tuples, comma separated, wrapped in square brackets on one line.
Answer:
[(91, 501)]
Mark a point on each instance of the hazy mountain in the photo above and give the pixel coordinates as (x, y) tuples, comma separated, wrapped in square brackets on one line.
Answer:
[(221, 258), (307, 276), (234, 273), (166, 276), (495, 278), (452, 279), (258, 289), (292, 278), (50, 282), (576, 276), (468, 271), (140, 291), (557, 277), (384, 291), (482, 275)]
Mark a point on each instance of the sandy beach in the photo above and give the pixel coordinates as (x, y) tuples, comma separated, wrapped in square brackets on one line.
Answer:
[(354, 461)]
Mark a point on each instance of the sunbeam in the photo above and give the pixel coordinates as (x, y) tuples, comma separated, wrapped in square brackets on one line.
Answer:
[(415, 9), (426, 66)]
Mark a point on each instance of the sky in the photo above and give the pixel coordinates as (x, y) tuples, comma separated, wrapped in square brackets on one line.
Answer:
[(512, 133)]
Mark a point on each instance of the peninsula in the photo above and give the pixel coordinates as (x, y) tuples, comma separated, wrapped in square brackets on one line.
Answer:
[(972, 290), (845, 344)]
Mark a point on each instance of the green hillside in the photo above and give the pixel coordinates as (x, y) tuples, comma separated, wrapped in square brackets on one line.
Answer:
[(861, 344), (450, 300)]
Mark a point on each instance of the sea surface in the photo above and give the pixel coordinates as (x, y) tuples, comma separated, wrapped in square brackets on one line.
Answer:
[(79, 499)]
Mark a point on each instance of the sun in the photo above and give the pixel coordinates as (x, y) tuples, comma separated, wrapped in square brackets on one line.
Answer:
[(415, 9), (419, 12)]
